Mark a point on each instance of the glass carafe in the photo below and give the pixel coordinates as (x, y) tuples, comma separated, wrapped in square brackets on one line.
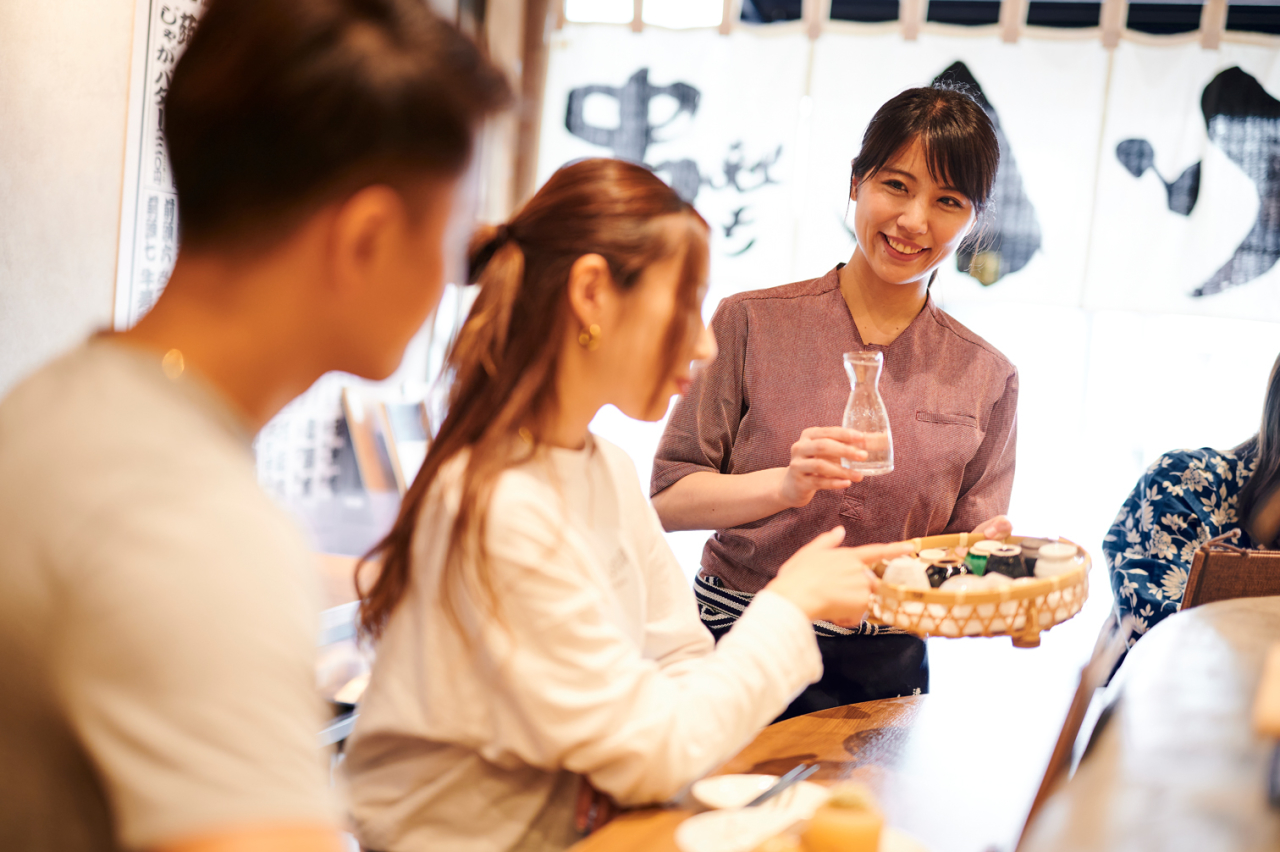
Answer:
[(866, 414)]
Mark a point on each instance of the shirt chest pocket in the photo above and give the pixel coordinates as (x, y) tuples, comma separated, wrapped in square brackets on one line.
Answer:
[(947, 440), (947, 419), (931, 451)]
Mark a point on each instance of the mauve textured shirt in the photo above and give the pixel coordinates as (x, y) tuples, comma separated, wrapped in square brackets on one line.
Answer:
[(952, 400)]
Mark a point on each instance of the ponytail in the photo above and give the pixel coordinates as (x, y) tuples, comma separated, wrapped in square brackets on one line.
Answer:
[(496, 262), (486, 241), (496, 256)]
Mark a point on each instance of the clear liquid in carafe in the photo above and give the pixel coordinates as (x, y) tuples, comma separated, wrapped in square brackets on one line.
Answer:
[(865, 413)]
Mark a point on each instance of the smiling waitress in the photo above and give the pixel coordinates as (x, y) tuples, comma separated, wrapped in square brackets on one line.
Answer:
[(753, 451)]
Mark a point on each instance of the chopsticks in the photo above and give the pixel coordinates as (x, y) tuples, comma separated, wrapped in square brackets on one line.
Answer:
[(796, 775)]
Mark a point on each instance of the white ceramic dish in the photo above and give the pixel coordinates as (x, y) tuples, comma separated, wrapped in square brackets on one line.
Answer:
[(734, 791), (744, 830), (733, 830)]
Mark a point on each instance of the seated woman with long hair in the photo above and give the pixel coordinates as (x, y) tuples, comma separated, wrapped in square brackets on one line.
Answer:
[(535, 633), (1184, 499)]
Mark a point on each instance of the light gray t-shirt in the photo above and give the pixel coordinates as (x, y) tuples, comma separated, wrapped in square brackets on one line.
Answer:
[(156, 624)]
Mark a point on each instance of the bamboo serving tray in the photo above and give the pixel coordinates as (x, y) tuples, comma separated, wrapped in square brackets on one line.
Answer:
[(1021, 610)]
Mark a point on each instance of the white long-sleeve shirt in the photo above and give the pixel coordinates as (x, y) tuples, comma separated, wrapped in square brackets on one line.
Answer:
[(598, 666)]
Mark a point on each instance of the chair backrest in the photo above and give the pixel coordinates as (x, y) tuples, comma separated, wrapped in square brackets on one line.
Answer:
[(1220, 571), (338, 636), (389, 436), (1110, 647)]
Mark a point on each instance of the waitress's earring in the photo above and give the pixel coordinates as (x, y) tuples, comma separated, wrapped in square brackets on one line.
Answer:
[(589, 339)]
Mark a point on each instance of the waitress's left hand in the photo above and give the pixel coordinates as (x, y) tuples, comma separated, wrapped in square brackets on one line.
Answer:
[(998, 527)]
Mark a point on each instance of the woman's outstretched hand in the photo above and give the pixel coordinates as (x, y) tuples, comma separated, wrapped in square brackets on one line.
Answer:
[(833, 583), (815, 464), (998, 527)]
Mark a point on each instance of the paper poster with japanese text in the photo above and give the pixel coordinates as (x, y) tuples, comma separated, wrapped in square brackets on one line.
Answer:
[(1045, 99), (715, 116), (149, 205), (1188, 212)]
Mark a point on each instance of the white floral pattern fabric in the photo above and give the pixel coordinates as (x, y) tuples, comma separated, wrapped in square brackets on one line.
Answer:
[(1184, 499)]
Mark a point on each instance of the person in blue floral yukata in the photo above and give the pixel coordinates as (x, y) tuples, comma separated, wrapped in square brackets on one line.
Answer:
[(1184, 499)]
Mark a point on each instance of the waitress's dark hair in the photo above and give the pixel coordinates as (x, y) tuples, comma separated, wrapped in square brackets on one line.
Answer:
[(504, 362), (960, 145), (278, 107), (1265, 447)]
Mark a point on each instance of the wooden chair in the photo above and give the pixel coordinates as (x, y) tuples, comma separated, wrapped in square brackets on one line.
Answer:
[(1221, 571), (1107, 652)]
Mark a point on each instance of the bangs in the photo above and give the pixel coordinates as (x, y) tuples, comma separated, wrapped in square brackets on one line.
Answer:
[(953, 162)]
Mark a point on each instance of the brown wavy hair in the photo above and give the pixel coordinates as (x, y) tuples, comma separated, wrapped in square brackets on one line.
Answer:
[(505, 359)]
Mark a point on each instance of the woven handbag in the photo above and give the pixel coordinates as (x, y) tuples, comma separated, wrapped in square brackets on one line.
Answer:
[(1222, 571)]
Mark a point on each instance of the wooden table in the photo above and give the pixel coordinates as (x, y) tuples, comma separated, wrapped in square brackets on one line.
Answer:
[(937, 775), (1178, 766)]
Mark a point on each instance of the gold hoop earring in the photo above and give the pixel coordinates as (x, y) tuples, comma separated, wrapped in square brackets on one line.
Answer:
[(589, 339)]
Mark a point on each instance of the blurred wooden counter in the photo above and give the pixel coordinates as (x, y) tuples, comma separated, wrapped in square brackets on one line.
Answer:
[(1178, 766), (951, 781)]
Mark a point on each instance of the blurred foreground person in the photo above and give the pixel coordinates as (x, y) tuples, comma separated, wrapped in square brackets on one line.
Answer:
[(156, 632), (537, 639), (1185, 498)]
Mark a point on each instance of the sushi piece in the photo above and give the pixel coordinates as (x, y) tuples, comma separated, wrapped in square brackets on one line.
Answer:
[(1031, 551), (1056, 559), (944, 569), (978, 555), (1007, 560), (907, 571), (963, 583)]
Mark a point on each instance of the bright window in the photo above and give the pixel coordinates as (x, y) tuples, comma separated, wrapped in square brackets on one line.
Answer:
[(678, 14), (674, 14), (599, 11)]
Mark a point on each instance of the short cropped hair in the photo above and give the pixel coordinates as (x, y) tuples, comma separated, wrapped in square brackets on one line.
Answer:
[(278, 107)]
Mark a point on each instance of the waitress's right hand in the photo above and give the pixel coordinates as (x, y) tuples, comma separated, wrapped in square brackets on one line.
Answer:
[(815, 464), (833, 583)]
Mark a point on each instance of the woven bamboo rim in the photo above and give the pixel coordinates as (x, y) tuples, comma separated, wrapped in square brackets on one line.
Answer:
[(1021, 611)]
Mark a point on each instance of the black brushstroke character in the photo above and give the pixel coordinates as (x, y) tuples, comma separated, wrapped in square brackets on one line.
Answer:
[(635, 132), (686, 178), (735, 166), (1012, 235), (738, 221), (1137, 156), (683, 176), (1243, 120)]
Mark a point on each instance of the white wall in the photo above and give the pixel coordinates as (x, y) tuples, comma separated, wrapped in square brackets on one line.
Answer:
[(64, 77)]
